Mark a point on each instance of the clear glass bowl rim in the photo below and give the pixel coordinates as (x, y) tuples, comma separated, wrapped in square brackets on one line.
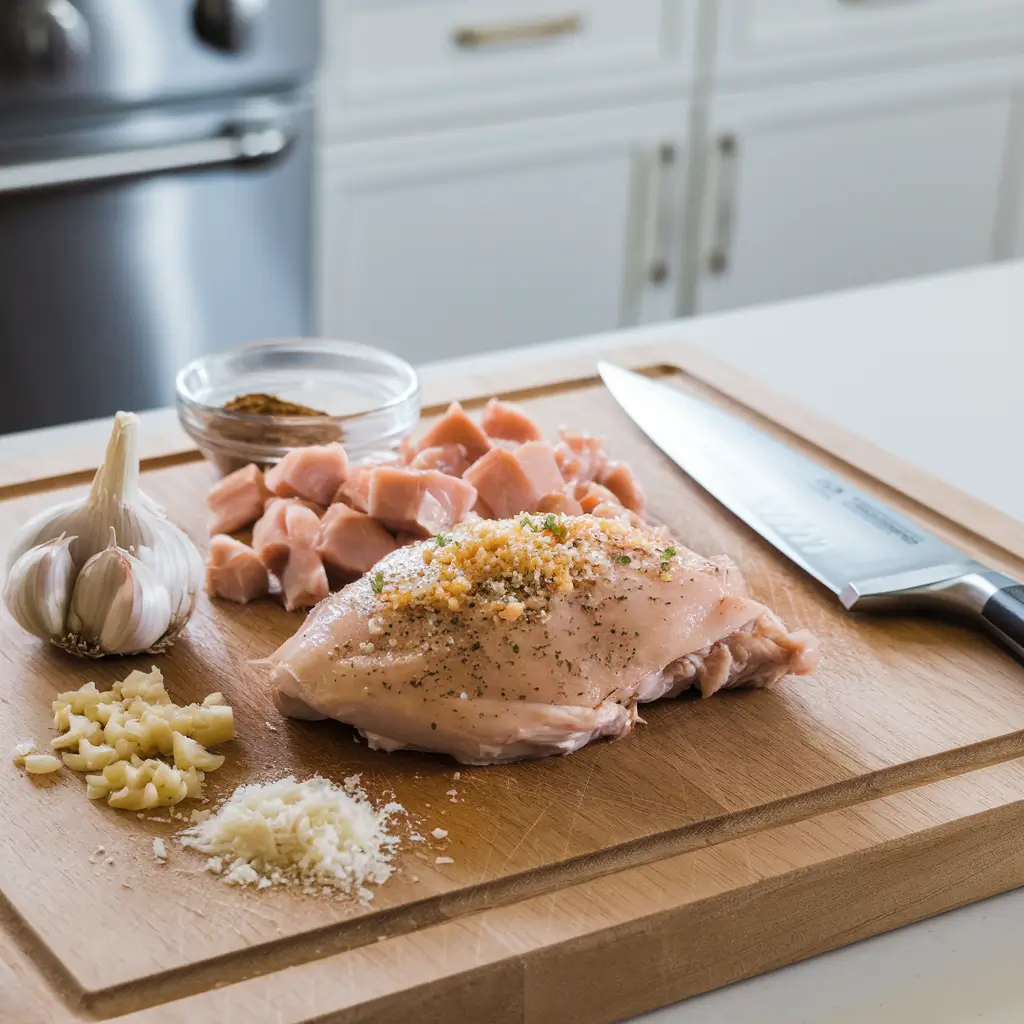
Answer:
[(405, 369)]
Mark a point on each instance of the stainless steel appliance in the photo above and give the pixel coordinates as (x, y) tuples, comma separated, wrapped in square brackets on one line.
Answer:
[(155, 193), (871, 557)]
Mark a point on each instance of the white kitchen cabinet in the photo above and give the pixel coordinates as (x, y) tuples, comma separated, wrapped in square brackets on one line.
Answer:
[(773, 40), (435, 246), (400, 65), (847, 185)]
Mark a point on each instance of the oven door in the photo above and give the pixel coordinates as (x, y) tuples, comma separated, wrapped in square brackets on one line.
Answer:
[(130, 247)]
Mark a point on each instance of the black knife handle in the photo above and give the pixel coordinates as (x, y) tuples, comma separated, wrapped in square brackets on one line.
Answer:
[(1003, 614)]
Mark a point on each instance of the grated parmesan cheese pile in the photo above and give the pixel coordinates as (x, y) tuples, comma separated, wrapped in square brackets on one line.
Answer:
[(314, 835)]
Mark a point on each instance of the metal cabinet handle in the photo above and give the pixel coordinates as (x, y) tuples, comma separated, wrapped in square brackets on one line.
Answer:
[(237, 144), (473, 37), (656, 261), (726, 149)]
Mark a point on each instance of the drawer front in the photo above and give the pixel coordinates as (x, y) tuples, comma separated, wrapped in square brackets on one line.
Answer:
[(423, 47), (759, 38)]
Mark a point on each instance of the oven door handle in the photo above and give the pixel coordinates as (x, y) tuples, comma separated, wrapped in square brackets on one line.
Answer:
[(236, 144)]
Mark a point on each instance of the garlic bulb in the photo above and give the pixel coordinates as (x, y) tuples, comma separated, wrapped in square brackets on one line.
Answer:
[(107, 574)]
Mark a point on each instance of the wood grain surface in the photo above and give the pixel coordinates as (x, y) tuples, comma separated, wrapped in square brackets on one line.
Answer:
[(722, 838)]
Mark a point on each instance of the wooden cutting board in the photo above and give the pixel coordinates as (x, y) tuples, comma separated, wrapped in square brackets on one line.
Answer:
[(720, 839)]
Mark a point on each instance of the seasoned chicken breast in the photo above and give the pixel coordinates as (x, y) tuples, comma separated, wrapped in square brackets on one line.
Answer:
[(525, 637)]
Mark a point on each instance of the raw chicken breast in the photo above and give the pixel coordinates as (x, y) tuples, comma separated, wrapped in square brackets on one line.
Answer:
[(351, 542), (314, 473), (420, 501), (445, 458), (508, 423), (237, 500), (234, 571), (509, 482), (528, 637), (455, 427), (284, 539)]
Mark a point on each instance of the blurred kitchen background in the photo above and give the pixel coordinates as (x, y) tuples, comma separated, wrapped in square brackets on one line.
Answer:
[(445, 177)]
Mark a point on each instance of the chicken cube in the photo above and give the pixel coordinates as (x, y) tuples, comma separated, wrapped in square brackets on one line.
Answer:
[(234, 571), (510, 482), (455, 427), (314, 473), (418, 501), (351, 542), (237, 500), (509, 423)]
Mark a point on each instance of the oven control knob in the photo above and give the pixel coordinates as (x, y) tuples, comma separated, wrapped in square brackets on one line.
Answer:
[(42, 37), (227, 25)]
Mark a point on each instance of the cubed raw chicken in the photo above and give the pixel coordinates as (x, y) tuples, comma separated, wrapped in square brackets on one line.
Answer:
[(285, 538), (591, 495), (418, 500), (304, 502), (455, 427), (493, 673), (580, 457), (237, 500), (234, 571), (355, 491), (507, 422), (445, 458), (560, 503), (619, 479), (510, 482), (314, 473), (350, 542)]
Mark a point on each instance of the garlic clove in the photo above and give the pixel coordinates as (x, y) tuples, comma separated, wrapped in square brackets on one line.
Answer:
[(118, 605), (38, 588), (177, 563)]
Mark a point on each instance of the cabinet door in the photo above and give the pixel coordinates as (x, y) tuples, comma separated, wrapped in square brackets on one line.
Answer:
[(810, 196), (467, 241)]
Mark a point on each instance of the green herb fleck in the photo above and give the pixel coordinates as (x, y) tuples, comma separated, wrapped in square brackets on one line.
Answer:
[(624, 559), (553, 526), (441, 540), (515, 648), (377, 582), (669, 553)]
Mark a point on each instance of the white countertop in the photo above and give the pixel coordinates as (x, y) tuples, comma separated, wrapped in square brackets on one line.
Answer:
[(930, 370)]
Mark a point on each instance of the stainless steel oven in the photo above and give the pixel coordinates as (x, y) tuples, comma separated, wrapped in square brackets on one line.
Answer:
[(155, 193)]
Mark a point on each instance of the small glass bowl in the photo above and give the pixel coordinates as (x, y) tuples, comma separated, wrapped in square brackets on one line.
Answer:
[(372, 400)]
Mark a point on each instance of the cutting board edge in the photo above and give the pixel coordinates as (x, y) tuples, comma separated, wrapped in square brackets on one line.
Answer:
[(836, 897), (347, 936)]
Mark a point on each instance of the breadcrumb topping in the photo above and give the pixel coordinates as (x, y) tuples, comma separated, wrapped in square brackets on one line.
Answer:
[(508, 567)]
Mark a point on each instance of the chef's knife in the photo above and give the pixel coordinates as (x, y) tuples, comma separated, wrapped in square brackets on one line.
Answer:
[(870, 556)]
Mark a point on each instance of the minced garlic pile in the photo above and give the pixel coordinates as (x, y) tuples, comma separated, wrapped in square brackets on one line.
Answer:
[(323, 838), (517, 564), (115, 734)]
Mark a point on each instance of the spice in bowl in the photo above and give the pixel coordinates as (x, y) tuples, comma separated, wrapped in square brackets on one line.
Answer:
[(258, 404)]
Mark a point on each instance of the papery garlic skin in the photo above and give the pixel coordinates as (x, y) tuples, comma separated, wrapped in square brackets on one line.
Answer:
[(38, 588), (121, 603), (118, 605)]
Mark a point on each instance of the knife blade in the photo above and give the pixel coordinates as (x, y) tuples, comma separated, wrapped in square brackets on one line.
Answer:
[(870, 556)]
